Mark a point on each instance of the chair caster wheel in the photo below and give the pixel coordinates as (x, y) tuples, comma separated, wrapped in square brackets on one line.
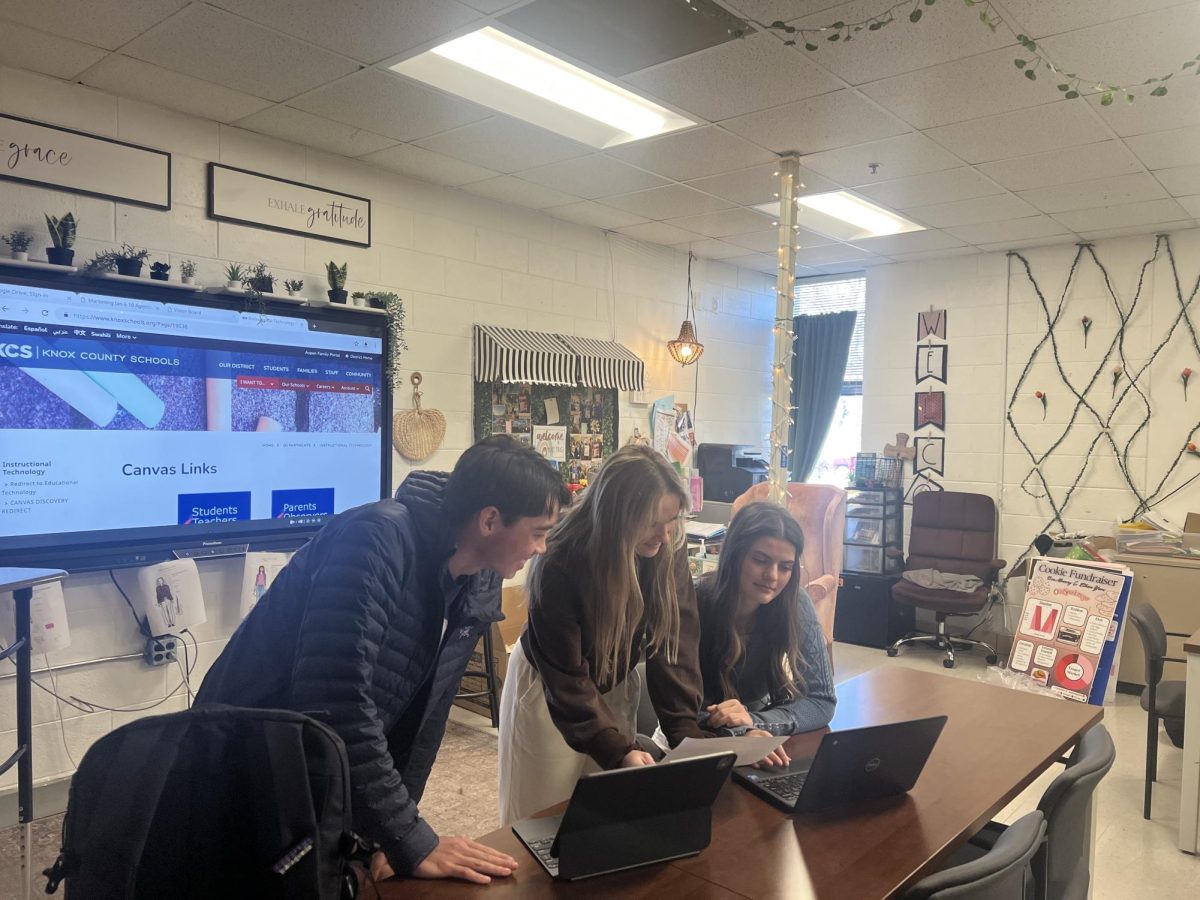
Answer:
[(992, 659), (948, 663), (891, 651)]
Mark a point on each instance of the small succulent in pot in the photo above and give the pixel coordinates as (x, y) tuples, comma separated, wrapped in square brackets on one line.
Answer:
[(293, 286), (187, 272), (337, 281), (62, 236), (160, 271), (258, 278), (233, 276), (126, 261), (18, 242)]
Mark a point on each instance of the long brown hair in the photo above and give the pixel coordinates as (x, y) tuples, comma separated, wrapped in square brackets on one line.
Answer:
[(777, 623), (602, 532)]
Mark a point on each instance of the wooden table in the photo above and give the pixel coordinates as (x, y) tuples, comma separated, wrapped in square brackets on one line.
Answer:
[(1189, 800), (996, 742)]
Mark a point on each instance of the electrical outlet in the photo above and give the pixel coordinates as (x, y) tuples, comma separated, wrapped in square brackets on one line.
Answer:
[(160, 651)]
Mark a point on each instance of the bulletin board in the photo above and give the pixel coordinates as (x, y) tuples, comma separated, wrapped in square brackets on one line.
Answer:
[(589, 414)]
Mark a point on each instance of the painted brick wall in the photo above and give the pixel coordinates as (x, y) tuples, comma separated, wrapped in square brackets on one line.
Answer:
[(455, 258)]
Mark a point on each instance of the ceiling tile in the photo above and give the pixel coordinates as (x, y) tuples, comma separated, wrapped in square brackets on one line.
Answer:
[(491, 6), (1014, 230), (417, 162), (668, 202), (735, 78), (983, 85), (304, 128), (755, 262), (589, 212), (934, 254), (969, 212), (504, 144), (1101, 192), (1180, 181), (1163, 149), (759, 184), (593, 176), (1180, 107), (1050, 127), (1129, 50), (369, 31), (1103, 159), (139, 80), (1191, 204), (713, 249), (104, 23), (724, 223), (1156, 228), (213, 45), (37, 51), (660, 233), (1143, 213), (782, 10), (819, 123), (912, 242), (1021, 244), (942, 35), (517, 191), (831, 253), (768, 241), (897, 157), (934, 187), (1041, 18), (387, 104), (692, 154)]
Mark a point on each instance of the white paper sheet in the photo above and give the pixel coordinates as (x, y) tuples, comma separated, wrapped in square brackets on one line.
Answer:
[(259, 570), (749, 748)]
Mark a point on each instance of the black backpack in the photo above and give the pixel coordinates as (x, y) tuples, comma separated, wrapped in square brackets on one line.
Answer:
[(213, 802)]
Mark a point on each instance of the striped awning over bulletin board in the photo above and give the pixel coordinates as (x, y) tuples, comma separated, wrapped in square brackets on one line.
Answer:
[(518, 355)]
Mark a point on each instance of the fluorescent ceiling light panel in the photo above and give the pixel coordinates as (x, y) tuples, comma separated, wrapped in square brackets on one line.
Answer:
[(496, 70), (845, 216)]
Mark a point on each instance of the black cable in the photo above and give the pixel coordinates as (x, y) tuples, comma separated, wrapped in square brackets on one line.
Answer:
[(143, 627)]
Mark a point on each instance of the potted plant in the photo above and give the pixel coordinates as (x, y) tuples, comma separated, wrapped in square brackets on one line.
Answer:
[(375, 299), (129, 261), (187, 272), (258, 278), (18, 242), (337, 281), (62, 236), (160, 271), (233, 277), (293, 286)]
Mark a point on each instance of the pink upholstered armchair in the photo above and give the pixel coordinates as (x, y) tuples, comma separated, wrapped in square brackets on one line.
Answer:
[(821, 511)]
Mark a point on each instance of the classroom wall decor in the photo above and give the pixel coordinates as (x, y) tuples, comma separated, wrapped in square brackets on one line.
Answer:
[(929, 406)]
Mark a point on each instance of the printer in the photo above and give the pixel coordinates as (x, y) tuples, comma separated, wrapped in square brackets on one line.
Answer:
[(729, 470)]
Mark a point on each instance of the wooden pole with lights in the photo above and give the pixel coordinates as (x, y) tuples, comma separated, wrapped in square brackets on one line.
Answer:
[(781, 371)]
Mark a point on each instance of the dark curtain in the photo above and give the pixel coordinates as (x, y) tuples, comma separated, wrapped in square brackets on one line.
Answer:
[(818, 370)]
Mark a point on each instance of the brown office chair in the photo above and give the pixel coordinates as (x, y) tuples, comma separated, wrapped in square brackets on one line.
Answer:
[(954, 533), (1161, 699)]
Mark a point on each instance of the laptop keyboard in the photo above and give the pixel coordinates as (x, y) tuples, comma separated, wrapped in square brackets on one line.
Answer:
[(542, 849), (786, 787)]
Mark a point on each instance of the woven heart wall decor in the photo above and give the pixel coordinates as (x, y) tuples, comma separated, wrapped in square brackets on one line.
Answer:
[(417, 432)]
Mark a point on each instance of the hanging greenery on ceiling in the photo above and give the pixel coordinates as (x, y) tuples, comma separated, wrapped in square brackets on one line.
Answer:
[(1128, 376), (1032, 61)]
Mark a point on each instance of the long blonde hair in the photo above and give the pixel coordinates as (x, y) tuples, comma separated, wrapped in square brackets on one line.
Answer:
[(602, 533)]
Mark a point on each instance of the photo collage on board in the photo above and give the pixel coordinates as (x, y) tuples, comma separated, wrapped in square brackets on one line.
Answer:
[(511, 412)]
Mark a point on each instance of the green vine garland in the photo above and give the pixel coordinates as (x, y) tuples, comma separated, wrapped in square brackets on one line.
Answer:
[(811, 40)]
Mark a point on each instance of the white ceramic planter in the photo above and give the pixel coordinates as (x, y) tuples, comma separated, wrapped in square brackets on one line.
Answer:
[(21, 255)]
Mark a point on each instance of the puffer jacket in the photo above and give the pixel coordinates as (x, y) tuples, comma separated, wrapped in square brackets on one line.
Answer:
[(351, 633)]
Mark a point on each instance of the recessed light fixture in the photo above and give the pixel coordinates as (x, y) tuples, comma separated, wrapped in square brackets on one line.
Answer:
[(496, 70), (845, 216)]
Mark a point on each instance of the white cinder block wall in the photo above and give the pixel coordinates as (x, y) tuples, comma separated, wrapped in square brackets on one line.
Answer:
[(994, 322), (455, 258)]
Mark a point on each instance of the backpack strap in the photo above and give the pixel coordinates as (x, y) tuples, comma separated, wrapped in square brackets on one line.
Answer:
[(283, 796), (147, 753)]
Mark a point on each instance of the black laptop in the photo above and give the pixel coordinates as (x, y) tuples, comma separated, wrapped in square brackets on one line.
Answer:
[(849, 767), (624, 818)]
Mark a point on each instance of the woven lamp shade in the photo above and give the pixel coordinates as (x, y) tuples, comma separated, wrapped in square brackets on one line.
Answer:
[(686, 349)]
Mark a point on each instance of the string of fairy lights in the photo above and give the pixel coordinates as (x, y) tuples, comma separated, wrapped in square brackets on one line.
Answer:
[(785, 284)]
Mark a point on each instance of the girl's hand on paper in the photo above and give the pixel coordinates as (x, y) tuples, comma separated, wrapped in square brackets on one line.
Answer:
[(776, 758)]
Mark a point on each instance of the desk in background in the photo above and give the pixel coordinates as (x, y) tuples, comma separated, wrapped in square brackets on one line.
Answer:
[(1172, 586), (996, 742)]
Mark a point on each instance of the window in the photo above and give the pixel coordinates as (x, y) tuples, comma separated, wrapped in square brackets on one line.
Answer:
[(836, 294)]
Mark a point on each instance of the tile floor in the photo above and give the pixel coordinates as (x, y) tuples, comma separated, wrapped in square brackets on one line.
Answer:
[(1134, 858)]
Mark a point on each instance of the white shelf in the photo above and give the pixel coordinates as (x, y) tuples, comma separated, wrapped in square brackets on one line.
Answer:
[(140, 279), (348, 306), (37, 264), (244, 294)]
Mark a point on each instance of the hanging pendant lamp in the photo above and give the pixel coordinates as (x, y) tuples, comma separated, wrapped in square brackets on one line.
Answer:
[(686, 348)]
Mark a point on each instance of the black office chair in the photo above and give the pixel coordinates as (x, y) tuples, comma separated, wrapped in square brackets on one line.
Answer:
[(1002, 873), (1161, 699), (1061, 867)]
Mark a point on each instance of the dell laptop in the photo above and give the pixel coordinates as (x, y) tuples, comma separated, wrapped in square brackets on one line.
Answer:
[(624, 818), (849, 767)]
